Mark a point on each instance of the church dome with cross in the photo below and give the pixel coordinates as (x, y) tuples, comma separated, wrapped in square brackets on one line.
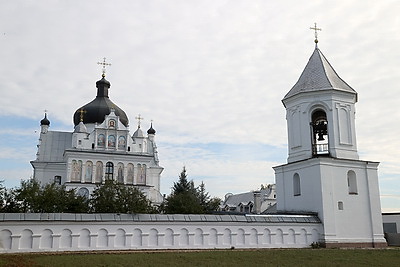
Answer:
[(98, 108)]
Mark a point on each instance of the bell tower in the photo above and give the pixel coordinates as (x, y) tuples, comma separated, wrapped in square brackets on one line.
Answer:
[(320, 113), (324, 174)]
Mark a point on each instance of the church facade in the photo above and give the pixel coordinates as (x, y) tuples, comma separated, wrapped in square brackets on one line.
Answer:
[(100, 148), (323, 174)]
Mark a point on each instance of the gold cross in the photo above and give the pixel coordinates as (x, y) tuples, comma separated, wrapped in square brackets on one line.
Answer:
[(139, 118), (104, 64), (315, 31), (82, 111)]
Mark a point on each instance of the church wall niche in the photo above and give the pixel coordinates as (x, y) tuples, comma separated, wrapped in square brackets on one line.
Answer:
[(267, 236), (99, 172), (153, 238), (122, 143), (120, 173), (213, 237), (169, 237), (76, 170), (295, 133), (84, 238), (227, 237), (102, 238), (66, 238), (291, 238), (89, 172), (141, 174), (46, 239), (137, 240), (120, 238), (101, 140), (111, 141), (240, 237), (344, 124), (184, 237), (198, 237), (130, 174), (303, 236), (253, 238), (6, 239), (279, 236), (26, 241)]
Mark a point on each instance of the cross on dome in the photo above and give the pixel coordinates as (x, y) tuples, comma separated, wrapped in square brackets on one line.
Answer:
[(315, 32), (139, 118), (82, 112), (104, 64)]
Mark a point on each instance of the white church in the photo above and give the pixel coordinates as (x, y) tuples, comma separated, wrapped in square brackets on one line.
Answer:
[(324, 193), (100, 148)]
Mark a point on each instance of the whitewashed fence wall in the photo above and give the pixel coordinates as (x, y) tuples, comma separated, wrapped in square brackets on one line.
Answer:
[(61, 235)]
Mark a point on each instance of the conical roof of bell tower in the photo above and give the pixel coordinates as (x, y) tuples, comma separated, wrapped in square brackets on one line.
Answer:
[(319, 75)]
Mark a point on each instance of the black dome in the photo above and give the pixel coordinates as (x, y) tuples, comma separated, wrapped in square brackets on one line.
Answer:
[(45, 121), (151, 130), (101, 106)]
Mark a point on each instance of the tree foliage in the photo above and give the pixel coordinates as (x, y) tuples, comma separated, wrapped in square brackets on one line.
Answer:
[(185, 198), (32, 197), (112, 197)]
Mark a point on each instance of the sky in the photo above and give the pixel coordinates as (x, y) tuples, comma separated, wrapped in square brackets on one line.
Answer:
[(211, 75)]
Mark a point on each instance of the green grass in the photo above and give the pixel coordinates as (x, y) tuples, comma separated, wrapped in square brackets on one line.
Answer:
[(247, 258)]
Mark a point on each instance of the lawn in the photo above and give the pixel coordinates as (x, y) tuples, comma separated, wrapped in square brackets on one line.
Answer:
[(262, 257)]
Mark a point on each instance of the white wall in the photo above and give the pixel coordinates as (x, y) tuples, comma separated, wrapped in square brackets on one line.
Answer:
[(167, 232)]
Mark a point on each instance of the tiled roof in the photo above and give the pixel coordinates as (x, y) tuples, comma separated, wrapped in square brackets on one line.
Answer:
[(319, 75), (112, 217)]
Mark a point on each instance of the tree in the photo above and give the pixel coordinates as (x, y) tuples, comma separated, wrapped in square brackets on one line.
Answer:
[(112, 197), (32, 197), (185, 198)]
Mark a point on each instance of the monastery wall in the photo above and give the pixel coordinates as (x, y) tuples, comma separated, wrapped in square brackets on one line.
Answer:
[(90, 232)]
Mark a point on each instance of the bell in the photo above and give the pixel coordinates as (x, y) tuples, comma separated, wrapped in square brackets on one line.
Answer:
[(320, 137)]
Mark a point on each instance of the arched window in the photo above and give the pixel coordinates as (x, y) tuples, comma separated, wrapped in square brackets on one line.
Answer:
[(109, 171), (319, 124), (296, 185), (352, 182), (57, 179)]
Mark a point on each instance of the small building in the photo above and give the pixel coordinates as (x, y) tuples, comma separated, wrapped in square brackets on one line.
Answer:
[(391, 227), (248, 202)]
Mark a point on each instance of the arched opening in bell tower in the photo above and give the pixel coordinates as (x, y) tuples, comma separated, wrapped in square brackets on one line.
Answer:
[(319, 127)]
